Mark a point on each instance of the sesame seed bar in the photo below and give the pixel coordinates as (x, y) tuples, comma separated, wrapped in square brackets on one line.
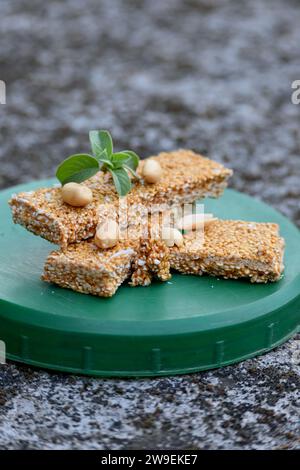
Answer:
[(151, 261), (229, 249), (84, 268), (232, 249), (186, 177)]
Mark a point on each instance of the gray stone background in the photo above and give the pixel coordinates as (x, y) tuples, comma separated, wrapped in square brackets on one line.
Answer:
[(212, 75)]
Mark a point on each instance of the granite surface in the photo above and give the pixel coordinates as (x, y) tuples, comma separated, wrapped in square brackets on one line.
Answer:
[(212, 75)]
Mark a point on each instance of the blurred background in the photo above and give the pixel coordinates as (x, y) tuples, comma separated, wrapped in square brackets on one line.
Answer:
[(211, 75)]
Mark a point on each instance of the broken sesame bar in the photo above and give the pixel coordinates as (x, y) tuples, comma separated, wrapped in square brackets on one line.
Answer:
[(232, 249), (84, 268), (186, 176), (151, 261), (228, 249)]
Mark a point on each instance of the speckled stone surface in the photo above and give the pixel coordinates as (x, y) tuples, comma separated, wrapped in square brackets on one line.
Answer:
[(213, 75)]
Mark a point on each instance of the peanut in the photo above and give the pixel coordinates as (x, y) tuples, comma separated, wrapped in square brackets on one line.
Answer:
[(76, 194), (194, 221), (171, 236), (107, 234), (152, 171)]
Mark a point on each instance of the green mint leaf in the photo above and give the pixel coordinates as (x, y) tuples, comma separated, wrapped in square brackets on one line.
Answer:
[(133, 159), (95, 144), (77, 168), (131, 171), (119, 158), (104, 162), (121, 180), (80, 167), (100, 141)]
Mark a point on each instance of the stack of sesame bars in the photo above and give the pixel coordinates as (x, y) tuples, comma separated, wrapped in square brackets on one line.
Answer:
[(224, 248)]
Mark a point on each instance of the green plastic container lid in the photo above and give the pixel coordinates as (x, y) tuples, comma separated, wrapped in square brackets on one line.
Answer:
[(185, 325)]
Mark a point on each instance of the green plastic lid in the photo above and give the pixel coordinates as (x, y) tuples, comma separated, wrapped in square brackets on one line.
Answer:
[(185, 325)]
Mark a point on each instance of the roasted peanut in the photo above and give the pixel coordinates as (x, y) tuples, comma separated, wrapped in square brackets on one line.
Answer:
[(171, 236), (152, 171), (107, 234), (194, 221), (76, 194)]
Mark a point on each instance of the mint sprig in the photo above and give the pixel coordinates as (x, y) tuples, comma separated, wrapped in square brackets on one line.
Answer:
[(79, 167)]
